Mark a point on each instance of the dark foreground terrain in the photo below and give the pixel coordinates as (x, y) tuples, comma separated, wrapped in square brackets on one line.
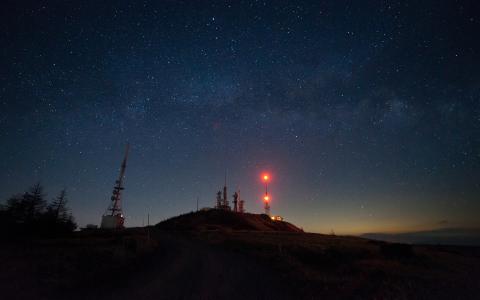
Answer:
[(177, 261)]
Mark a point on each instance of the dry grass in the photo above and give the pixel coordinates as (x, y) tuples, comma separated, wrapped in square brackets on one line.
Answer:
[(312, 265), (225, 220), (344, 267), (45, 268)]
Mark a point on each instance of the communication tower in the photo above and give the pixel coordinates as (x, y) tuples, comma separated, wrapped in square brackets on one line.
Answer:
[(113, 217)]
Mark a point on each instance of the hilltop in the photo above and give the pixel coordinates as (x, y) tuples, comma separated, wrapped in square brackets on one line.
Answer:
[(225, 220)]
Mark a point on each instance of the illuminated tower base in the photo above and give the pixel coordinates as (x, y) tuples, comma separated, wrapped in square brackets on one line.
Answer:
[(267, 208)]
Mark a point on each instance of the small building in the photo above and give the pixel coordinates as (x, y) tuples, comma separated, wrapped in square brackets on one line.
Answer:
[(112, 222), (89, 227), (277, 218)]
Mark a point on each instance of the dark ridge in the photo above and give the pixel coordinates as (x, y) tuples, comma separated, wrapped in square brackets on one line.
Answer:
[(225, 220), (442, 236)]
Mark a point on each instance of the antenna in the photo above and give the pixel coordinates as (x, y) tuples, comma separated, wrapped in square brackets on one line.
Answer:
[(148, 226), (266, 198), (225, 200), (267, 208), (241, 203), (222, 198), (235, 202), (116, 205), (113, 217)]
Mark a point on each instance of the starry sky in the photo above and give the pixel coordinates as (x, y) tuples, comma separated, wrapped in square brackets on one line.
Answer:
[(365, 113)]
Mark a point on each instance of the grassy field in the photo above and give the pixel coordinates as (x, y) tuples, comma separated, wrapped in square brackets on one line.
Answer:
[(348, 267), (215, 262), (46, 268)]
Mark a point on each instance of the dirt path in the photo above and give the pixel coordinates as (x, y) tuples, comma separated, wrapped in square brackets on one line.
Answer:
[(184, 268)]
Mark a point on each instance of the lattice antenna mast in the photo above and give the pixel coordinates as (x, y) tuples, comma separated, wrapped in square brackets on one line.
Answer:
[(266, 198), (267, 208), (225, 200), (241, 203), (116, 207), (235, 202)]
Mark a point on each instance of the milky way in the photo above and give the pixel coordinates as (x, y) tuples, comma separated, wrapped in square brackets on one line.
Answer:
[(366, 113)]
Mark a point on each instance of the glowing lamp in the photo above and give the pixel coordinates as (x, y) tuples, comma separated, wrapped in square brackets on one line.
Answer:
[(266, 198), (266, 177)]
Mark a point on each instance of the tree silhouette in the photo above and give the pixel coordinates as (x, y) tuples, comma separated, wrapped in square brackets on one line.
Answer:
[(28, 213), (58, 214), (58, 207), (28, 207), (34, 202)]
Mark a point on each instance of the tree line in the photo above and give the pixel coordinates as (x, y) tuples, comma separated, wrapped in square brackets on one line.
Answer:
[(30, 213)]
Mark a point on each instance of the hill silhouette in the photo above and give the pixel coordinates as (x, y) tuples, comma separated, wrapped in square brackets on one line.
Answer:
[(442, 236), (225, 220)]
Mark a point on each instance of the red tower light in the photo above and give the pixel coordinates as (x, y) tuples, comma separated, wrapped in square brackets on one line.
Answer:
[(266, 198)]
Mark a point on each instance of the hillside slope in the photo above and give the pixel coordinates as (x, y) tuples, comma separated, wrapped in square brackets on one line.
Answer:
[(155, 263), (225, 220)]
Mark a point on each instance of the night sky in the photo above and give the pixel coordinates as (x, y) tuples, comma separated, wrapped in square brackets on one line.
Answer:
[(365, 113)]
